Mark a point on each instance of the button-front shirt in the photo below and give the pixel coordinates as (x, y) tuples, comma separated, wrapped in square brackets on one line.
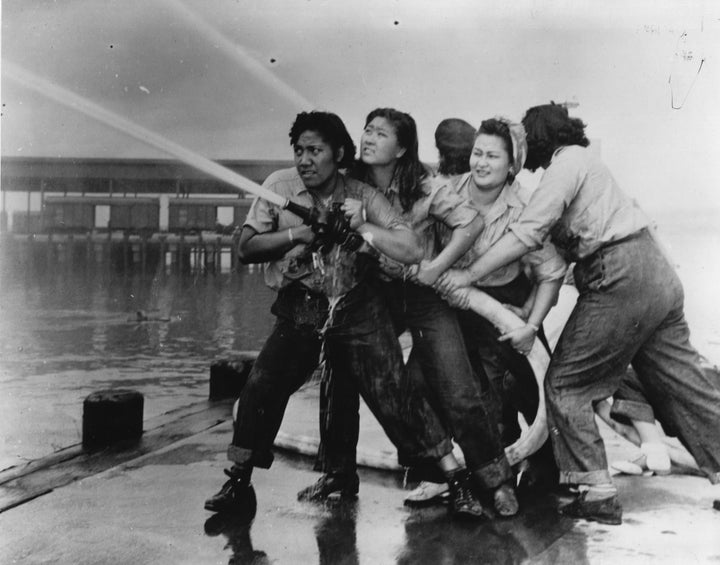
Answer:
[(579, 205), (545, 263), (332, 273), (440, 204)]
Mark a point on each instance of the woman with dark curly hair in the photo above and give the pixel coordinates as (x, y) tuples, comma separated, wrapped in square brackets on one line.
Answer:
[(629, 311)]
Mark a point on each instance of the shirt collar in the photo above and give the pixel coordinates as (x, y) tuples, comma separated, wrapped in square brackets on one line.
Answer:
[(508, 198), (338, 195), (557, 152)]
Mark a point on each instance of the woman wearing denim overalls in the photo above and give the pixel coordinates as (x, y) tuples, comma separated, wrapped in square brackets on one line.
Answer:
[(629, 312)]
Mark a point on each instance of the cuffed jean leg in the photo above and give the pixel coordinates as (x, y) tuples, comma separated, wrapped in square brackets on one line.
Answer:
[(629, 309), (586, 367), (286, 361), (686, 398)]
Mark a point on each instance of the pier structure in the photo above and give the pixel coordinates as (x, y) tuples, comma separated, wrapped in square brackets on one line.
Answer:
[(134, 213)]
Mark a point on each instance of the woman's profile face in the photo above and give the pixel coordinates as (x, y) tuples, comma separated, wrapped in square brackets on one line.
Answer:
[(379, 143), (489, 162)]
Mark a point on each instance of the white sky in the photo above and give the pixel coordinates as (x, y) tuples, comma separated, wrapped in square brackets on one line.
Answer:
[(225, 78)]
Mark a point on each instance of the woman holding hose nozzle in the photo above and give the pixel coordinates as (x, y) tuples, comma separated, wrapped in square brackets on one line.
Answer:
[(325, 303)]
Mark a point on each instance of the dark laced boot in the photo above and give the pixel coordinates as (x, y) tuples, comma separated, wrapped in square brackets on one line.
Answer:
[(237, 496), (331, 486), (462, 502)]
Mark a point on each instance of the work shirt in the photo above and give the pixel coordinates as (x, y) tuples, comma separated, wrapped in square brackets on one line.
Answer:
[(332, 273), (440, 204), (545, 263), (579, 205)]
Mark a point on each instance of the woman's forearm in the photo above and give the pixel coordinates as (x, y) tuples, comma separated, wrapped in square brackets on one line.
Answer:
[(546, 297), (504, 251), (401, 244), (262, 247), (461, 240)]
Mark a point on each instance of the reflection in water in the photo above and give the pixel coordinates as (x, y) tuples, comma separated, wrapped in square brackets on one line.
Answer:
[(69, 329), (236, 528), (336, 533), (432, 537), (538, 534)]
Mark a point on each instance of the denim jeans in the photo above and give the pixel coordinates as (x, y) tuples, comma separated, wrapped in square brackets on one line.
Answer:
[(359, 345), (630, 401), (438, 364), (629, 311)]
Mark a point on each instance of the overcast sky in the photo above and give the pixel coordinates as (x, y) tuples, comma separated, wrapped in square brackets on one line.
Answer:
[(225, 78)]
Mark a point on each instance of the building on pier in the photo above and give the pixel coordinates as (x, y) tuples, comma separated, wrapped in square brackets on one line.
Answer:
[(126, 212), (80, 195)]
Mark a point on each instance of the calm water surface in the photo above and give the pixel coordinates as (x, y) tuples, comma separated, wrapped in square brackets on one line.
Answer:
[(69, 330)]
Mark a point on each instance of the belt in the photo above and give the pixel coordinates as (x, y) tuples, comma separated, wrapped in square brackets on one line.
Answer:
[(610, 244), (635, 235)]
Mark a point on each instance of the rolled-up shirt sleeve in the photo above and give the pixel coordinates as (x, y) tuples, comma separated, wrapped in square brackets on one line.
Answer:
[(557, 189), (262, 216), (546, 264), (449, 207), (380, 212)]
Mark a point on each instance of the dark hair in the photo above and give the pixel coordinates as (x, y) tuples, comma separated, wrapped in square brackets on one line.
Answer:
[(409, 171), (548, 127), (454, 139), (454, 162), (499, 129), (328, 126)]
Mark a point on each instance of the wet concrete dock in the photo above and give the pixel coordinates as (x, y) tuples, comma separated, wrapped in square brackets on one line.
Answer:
[(144, 504)]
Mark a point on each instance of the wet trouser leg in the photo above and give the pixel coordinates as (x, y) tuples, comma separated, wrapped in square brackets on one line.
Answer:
[(445, 368), (286, 361), (340, 401), (339, 425), (361, 345), (629, 310)]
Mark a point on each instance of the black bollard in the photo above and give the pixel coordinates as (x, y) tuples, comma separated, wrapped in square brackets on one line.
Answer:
[(228, 377), (110, 416)]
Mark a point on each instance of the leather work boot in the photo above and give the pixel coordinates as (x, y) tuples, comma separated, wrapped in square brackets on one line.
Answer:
[(463, 503), (331, 486), (236, 496), (606, 511)]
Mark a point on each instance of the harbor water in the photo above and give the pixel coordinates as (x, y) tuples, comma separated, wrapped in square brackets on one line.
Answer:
[(67, 330)]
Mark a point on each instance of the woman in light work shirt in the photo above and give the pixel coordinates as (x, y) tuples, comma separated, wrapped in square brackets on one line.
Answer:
[(629, 311), (497, 156)]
